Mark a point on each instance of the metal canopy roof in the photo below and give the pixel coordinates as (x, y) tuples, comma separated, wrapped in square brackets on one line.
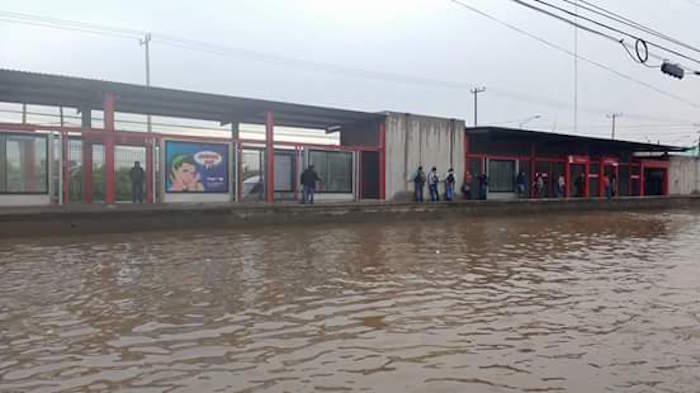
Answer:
[(55, 90), (550, 137)]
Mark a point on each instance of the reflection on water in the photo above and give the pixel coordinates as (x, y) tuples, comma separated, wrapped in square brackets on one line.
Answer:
[(579, 303)]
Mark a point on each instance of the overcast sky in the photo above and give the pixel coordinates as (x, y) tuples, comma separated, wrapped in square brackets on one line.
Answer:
[(435, 40)]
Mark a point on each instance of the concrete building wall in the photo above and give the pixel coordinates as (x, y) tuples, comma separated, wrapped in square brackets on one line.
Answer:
[(683, 175), (413, 140)]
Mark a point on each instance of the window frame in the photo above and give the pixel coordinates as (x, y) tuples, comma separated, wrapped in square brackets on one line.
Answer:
[(3, 139)]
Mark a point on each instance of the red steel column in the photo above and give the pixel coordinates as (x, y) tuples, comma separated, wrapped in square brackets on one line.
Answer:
[(588, 173), (533, 165), (567, 177), (66, 167), (150, 164), (109, 148), (270, 157), (601, 182), (382, 160)]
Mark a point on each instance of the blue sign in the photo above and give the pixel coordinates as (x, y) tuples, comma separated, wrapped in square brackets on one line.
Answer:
[(196, 167)]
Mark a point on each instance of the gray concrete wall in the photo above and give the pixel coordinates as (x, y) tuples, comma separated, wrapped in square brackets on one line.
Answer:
[(413, 140), (683, 175)]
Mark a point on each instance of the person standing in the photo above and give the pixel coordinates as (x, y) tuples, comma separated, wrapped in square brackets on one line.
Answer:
[(433, 182), (561, 186), (419, 184), (450, 185), (521, 182), (308, 182), (539, 185), (467, 186), (483, 186), (137, 176)]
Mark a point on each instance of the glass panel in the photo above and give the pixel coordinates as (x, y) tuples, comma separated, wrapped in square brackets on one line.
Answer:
[(252, 179), (558, 169), (125, 158), (594, 186), (475, 171), (593, 168), (284, 172), (335, 170), (98, 173), (24, 165), (75, 169), (501, 175), (623, 183)]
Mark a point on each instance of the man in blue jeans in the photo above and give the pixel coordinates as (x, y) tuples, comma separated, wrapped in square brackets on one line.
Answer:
[(308, 182)]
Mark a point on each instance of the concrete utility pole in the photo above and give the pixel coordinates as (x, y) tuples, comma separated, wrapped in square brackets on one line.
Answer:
[(145, 42), (476, 92), (614, 116)]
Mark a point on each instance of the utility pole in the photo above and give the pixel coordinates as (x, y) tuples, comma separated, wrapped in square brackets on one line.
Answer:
[(614, 116), (145, 42), (476, 92)]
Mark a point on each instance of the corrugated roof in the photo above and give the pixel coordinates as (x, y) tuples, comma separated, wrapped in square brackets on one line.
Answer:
[(58, 90), (544, 136)]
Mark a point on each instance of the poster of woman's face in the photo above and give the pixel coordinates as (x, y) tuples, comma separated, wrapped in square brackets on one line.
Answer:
[(196, 167)]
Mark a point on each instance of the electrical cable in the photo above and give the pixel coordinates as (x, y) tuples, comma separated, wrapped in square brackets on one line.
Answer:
[(593, 31), (593, 8), (570, 53)]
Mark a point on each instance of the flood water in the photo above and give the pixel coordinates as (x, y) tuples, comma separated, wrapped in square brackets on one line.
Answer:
[(579, 303)]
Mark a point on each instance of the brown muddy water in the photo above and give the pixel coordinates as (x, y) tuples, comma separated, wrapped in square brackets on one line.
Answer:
[(578, 303)]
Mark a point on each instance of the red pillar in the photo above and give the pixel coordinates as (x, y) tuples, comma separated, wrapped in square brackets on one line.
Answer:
[(270, 156), (150, 164), (567, 177), (382, 160), (601, 182), (642, 191), (588, 173), (533, 165), (65, 148), (109, 148)]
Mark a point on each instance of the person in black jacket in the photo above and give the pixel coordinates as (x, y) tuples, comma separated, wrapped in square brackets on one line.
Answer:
[(137, 176), (308, 182)]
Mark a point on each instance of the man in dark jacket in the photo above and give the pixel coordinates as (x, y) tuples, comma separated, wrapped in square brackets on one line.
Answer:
[(137, 175), (308, 182)]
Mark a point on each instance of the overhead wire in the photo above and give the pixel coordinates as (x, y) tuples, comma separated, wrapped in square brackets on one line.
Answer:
[(580, 57), (600, 24), (206, 47), (598, 10)]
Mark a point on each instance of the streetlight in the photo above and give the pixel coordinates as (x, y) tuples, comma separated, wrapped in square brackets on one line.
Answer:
[(529, 119)]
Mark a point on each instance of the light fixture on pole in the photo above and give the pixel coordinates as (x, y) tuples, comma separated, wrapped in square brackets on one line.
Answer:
[(529, 119)]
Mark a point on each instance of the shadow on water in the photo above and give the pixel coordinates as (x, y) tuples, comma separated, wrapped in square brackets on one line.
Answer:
[(564, 302)]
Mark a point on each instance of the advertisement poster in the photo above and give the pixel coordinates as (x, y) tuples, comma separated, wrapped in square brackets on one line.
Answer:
[(196, 167)]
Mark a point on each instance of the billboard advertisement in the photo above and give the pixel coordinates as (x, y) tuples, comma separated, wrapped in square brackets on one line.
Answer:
[(196, 167)]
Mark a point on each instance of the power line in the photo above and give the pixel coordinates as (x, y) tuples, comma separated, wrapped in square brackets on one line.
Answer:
[(596, 32), (598, 10), (570, 53)]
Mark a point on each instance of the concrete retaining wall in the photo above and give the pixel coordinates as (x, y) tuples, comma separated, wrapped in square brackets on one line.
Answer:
[(81, 220), (412, 141), (684, 175)]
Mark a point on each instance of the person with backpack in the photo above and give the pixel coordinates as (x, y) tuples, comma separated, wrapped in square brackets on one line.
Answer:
[(467, 186), (418, 184), (308, 182), (450, 185), (433, 182)]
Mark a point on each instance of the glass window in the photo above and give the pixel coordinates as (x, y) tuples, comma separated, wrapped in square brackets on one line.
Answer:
[(335, 170), (501, 175), (252, 179), (284, 171), (23, 164)]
